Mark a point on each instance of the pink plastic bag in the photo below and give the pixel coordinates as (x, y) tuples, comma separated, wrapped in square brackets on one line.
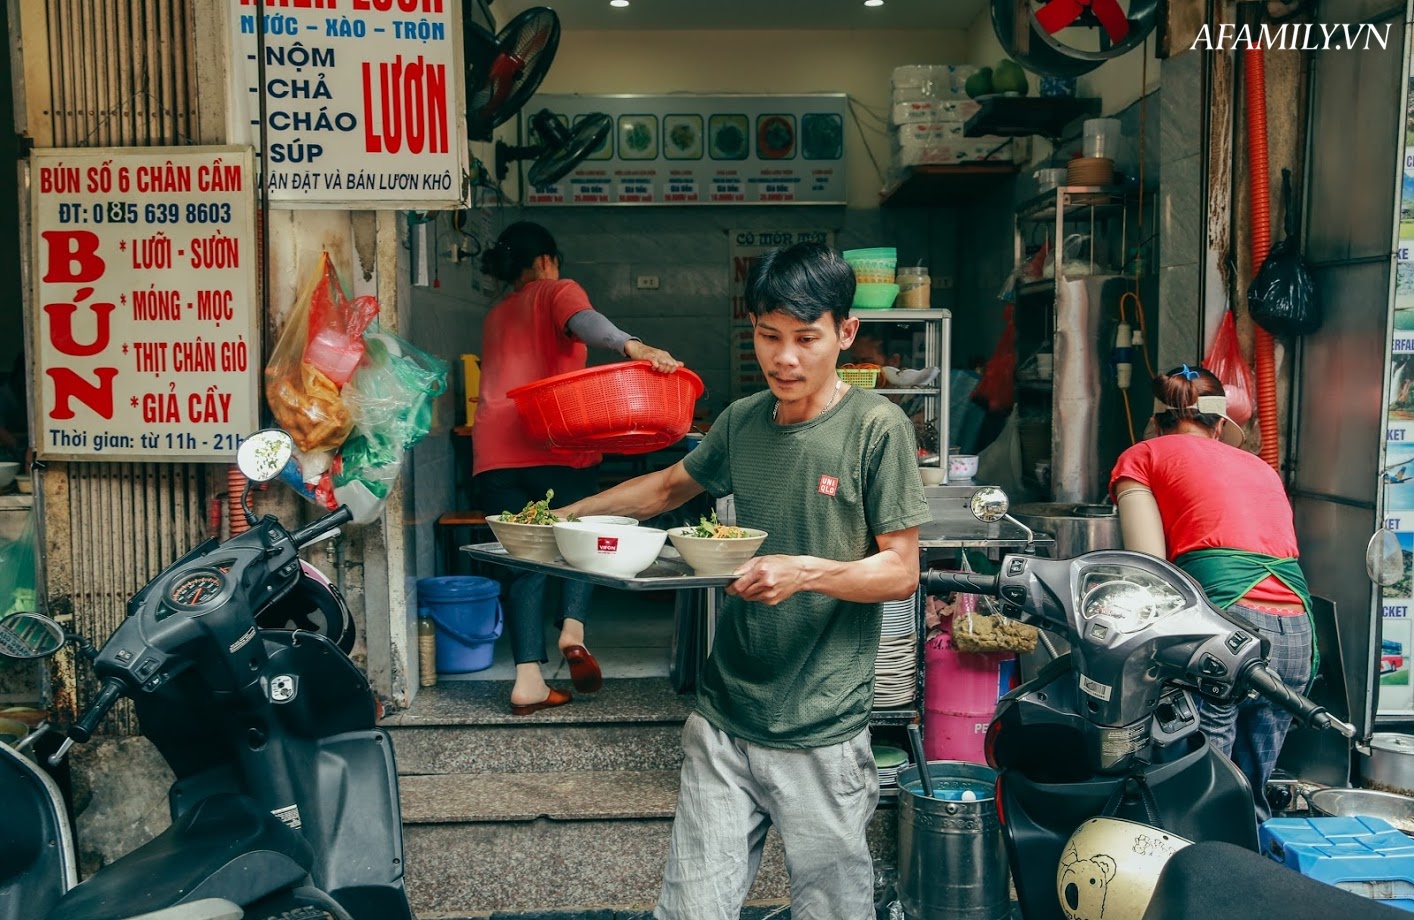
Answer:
[(1225, 360)]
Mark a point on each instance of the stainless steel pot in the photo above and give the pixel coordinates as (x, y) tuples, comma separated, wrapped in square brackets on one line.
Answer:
[(1390, 766), (1077, 528), (1398, 810)]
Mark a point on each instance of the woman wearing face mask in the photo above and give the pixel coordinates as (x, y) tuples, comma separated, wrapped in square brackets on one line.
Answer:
[(539, 329), (1192, 496)]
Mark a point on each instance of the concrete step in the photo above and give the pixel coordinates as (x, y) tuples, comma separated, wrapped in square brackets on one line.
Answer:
[(483, 843), (467, 727), (565, 813)]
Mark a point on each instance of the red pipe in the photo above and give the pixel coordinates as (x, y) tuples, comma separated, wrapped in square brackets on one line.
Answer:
[(1259, 186)]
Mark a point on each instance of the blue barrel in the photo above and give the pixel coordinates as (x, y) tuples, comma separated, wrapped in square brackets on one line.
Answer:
[(467, 611)]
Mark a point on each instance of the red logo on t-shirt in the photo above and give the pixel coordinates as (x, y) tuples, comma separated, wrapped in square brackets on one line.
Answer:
[(829, 485), (608, 544)]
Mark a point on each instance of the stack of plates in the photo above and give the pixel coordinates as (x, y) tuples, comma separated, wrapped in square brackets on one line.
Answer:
[(889, 760), (895, 671), (1090, 171), (899, 618)]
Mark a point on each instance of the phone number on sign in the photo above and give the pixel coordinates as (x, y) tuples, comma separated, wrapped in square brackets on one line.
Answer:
[(130, 212)]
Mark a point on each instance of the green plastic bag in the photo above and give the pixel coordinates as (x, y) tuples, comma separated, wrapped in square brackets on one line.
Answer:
[(392, 393), (17, 587)]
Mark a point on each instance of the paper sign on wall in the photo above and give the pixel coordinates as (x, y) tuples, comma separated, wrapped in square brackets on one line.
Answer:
[(147, 313), (363, 101)]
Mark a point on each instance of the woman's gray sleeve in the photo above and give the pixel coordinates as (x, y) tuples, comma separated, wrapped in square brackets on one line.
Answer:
[(594, 329)]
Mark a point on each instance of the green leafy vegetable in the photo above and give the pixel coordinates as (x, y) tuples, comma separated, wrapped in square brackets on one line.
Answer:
[(712, 529), (534, 513)]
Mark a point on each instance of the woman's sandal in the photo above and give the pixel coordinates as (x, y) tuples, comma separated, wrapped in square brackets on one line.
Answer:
[(556, 698), (584, 670)]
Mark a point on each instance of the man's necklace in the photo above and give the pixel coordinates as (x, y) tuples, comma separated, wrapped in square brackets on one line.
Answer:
[(833, 397)]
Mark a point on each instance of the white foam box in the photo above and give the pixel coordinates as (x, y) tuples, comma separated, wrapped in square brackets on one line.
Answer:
[(933, 110), (922, 82)]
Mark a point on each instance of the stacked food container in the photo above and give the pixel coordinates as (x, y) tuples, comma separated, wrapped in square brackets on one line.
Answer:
[(874, 281), (929, 110)]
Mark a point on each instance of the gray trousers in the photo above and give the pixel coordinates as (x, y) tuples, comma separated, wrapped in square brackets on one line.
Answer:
[(819, 800)]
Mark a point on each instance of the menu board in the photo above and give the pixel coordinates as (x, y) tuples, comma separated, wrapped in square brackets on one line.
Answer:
[(363, 103), (148, 315), (701, 150)]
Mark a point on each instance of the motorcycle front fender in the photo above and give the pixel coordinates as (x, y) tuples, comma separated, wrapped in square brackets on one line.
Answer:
[(36, 849)]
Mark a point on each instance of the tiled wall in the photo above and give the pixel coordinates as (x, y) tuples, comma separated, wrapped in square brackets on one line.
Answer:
[(1182, 213)]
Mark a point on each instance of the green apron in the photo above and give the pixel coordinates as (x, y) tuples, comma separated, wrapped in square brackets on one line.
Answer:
[(1226, 576)]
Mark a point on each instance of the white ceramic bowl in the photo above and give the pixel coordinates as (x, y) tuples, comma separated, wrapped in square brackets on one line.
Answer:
[(931, 475), (962, 466), (713, 555), (8, 472), (525, 541), (609, 549)]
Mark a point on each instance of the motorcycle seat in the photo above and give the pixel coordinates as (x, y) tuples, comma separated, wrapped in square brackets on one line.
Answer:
[(227, 846)]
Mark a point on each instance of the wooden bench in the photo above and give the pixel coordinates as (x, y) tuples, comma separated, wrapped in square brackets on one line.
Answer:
[(449, 526)]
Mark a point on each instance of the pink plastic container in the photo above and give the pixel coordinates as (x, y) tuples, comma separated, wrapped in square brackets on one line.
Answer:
[(334, 354), (961, 690)]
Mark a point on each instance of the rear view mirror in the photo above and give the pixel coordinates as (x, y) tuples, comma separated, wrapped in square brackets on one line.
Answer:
[(30, 635), (263, 455), (989, 504), (1384, 558)]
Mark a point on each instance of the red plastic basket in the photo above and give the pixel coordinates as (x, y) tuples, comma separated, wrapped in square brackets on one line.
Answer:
[(625, 408)]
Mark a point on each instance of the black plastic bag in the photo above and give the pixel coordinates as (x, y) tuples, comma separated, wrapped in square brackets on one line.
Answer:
[(1282, 298)]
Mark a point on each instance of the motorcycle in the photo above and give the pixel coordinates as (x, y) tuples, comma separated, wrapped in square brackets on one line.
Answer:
[(1111, 728), (285, 802)]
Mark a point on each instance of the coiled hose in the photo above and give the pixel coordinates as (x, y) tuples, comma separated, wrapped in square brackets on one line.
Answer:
[(1261, 206), (235, 487)]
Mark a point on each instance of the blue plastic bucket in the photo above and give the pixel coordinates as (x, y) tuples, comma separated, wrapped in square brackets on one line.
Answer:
[(467, 611)]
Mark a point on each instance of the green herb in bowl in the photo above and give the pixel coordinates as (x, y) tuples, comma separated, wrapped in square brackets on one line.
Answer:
[(713, 529)]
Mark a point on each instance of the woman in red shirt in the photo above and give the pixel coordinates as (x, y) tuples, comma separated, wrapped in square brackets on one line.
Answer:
[(539, 329), (1192, 496)]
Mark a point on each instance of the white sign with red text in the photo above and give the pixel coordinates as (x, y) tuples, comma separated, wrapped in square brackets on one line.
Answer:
[(363, 100), (147, 311)]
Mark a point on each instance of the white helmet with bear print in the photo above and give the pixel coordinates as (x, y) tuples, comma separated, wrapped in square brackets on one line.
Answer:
[(1109, 868)]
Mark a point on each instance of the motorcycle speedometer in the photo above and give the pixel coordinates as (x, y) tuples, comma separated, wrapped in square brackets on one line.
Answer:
[(197, 589), (1128, 598)]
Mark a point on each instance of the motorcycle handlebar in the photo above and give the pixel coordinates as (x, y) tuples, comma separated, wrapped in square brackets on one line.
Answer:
[(342, 515), (1270, 685), (935, 583), (83, 729)]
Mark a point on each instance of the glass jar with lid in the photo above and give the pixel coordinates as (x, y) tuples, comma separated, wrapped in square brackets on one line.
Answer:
[(915, 290)]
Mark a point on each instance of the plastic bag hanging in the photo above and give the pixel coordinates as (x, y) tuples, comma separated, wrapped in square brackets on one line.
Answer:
[(1226, 362), (1282, 298)]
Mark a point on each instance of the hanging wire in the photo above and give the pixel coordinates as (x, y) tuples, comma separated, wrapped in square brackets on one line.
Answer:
[(1139, 249), (865, 140)]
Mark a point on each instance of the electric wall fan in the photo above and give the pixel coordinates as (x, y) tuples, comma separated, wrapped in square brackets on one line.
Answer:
[(555, 148), (1030, 32), (504, 70)]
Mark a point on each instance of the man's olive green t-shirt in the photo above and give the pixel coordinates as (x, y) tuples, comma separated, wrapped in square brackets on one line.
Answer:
[(801, 674)]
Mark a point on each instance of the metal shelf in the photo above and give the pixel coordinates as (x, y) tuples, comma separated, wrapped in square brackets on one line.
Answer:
[(899, 316), (1075, 201), (908, 391), (900, 715)]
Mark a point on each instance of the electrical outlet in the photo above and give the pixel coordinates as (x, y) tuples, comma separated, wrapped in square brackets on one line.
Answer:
[(943, 281), (648, 282)]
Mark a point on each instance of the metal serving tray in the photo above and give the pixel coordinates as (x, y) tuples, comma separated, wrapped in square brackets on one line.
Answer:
[(669, 572)]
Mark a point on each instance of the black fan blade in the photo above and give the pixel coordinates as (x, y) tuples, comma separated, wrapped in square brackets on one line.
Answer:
[(557, 161), (525, 49)]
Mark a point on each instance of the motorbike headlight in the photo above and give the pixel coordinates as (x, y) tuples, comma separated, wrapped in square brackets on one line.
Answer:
[(1130, 598)]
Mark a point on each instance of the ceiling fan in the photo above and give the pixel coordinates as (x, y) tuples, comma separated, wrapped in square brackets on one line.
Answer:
[(557, 149), (504, 70), (1029, 31)]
